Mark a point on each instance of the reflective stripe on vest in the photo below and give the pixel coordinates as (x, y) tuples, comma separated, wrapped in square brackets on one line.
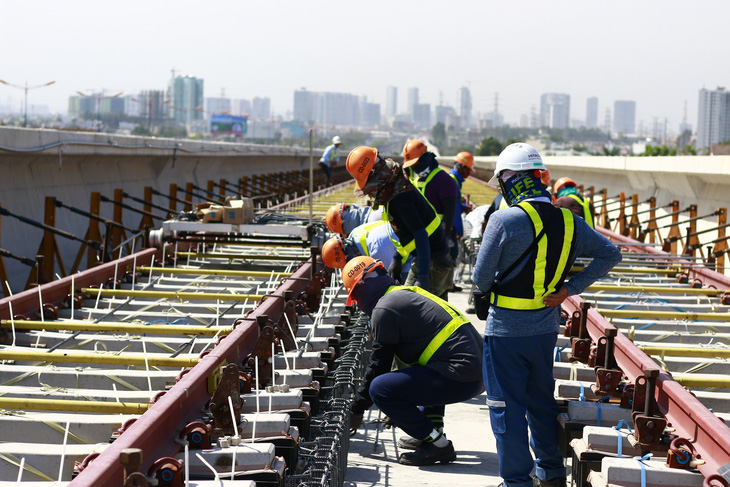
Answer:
[(421, 185), (503, 204), (455, 179), (335, 154), (405, 250), (540, 289), (457, 319), (587, 213), (362, 237)]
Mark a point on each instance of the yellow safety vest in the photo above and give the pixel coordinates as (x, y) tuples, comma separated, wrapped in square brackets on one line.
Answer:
[(405, 250), (539, 286), (421, 185), (503, 203), (587, 213), (457, 319), (361, 235)]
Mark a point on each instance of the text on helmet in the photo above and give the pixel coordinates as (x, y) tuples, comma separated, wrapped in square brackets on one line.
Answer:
[(355, 269)]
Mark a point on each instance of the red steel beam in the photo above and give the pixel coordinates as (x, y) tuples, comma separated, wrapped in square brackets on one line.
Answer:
[(709, 435), (155, 431)]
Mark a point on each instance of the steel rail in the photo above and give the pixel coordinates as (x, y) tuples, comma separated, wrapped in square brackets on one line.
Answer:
[(51, 404), (234, 256), (709, 435), (657, 289), (664, 315), (182, 403), (151, 359)]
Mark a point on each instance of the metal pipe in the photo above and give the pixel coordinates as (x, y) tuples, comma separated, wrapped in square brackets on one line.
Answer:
[(131, 208), (116, 327), (211, 272), (70, 236), (125, 293), (98, 358), (685, 351), (311, 174)]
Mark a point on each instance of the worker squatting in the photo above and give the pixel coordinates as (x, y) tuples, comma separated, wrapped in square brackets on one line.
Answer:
[(397, 259)]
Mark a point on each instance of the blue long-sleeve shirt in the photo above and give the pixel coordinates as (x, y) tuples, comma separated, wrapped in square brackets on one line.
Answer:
[(458, 223), (331, 154), (508, 234)]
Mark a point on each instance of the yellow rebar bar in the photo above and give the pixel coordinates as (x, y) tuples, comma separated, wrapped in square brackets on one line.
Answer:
[(157, 329), (50, 404), (233, 255), (211, 272), (696, 351), (657, 289), (722, 382), (664, 315), (129, 293), (634, 270), (98, 358)]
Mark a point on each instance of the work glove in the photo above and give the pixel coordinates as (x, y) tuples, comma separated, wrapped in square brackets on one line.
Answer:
[(396, 268), (424, 282)]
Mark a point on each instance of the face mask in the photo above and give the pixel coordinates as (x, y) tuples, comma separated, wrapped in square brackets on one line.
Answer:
[(518, 186)]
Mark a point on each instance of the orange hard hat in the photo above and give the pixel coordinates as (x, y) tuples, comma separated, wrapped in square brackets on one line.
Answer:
[(333, 218), (333, 253), (356, 270), (465, 159), (561, 183), (545, 177), (360, 162), (412, 151)]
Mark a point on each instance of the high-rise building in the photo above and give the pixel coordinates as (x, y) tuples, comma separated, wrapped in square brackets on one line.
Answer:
[(713, 117), (463, 100), (261, 108), (391, 101), (186, 95), (624, 117), (422, 115), (305, 106), (412, 101), (555, 110), (217, 106), (443, 112), (334, 109), (369, 113), (592, 113), (240, 107)]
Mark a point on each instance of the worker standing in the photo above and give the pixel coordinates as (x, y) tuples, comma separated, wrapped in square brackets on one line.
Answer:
[(343, 218), (566, 195), (441, 192), (412, 218), (463, 167), (330, 157), (525, 255), (438, 343)]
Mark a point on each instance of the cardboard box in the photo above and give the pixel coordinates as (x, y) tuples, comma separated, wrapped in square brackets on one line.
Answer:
[(238, 211), (212, 214)]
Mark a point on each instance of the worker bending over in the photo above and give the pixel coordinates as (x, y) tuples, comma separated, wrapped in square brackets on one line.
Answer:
[(524, 258), (412, 218), (439, 345), (343, 218)]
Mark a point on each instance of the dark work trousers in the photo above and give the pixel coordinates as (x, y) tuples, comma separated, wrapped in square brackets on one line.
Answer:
[(518, 375), (399, 393), (327, 171)]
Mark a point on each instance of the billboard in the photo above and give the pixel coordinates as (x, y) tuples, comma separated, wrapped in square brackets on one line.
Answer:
[(228, 124)]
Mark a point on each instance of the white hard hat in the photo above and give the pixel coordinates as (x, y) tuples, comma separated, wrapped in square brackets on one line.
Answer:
[(336, 139), (518, 157)]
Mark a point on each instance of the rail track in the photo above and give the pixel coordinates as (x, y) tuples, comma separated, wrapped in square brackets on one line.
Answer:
[(226, 357)]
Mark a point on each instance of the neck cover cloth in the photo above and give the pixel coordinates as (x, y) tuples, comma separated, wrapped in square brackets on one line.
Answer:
[(520, 185), (426, 163), (386, 181), (567, 191), (370, 290)]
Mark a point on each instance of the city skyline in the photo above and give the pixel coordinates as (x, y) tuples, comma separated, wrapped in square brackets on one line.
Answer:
[(573, 47)]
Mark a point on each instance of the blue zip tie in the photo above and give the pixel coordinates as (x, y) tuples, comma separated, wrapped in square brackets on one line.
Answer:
[(620, 443), (558, 351), (647, 325), (582, 395), (598, 413), (643, 467)]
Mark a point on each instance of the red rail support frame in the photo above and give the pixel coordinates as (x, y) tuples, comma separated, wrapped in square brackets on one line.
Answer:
[(709, 435)]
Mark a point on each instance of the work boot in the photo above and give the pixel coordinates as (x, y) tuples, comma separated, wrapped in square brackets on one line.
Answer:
[(409, 442), (428, 454), (556, 482)]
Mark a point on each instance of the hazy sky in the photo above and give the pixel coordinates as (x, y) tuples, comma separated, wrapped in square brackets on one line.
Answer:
[(658, 53)]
